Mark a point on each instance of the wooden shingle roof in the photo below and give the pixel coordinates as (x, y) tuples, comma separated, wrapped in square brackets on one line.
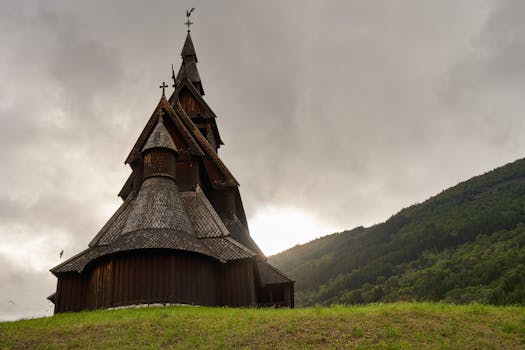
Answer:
[(163, 108), (157, 206), (268, 274), (137, 240), (161, 217), (160, 138), (203, 217)]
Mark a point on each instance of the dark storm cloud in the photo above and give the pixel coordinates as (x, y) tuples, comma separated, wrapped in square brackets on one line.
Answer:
[(348, 110)]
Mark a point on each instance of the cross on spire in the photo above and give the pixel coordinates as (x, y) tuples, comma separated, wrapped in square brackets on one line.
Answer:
[(163, 86), (188, 24), (188, 14)]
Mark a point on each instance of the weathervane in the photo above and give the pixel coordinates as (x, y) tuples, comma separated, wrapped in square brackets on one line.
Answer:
[(188, 14)]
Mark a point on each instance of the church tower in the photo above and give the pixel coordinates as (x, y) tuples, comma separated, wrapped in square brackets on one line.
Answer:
[(181, 234)]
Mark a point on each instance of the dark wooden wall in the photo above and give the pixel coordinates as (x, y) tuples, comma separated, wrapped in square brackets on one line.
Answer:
[(141, 277), (187, 173), (189, 104), (237, 287), (223, 201), (276, 295), (157, 276), (71, 293)]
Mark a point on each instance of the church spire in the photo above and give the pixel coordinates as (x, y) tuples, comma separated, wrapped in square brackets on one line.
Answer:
[(188, 69)]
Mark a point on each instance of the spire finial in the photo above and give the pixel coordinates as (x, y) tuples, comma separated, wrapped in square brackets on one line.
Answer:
[(163, 86), (173, 76), (188, 14)]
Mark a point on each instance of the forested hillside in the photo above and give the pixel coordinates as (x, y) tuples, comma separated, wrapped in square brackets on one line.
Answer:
[(466, 244)]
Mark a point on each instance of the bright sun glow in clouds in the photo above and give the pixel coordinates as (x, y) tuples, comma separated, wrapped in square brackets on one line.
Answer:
[(275, 229)]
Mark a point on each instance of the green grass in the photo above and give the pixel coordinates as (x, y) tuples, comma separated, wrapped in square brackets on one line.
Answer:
[(388, 326)]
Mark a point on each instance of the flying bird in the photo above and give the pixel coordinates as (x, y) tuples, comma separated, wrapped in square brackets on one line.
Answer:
[(61, 253), (188, 13), (12, 302)]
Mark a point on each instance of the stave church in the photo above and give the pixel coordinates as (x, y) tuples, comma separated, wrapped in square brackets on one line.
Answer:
[(180, 235)]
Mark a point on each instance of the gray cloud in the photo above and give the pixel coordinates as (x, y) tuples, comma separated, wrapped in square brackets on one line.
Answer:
[(348, 110), (23, 292)]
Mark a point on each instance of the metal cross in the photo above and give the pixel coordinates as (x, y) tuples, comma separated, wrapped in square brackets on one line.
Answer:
[(163, 86), (188, 14), (188, 24)]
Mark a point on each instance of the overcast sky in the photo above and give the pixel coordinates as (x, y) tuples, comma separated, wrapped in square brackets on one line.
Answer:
[(334, 114)]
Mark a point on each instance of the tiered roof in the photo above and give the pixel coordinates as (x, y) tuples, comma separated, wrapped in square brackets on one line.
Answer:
[(156, 213)]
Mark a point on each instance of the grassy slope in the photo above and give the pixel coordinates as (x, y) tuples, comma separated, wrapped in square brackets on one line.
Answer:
[(387, 326)]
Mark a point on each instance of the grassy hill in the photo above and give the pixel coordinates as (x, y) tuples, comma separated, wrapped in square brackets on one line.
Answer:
[(388, 326), (466, 244)]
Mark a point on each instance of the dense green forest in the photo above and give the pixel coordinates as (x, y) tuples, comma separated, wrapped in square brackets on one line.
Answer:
[(466, 244)]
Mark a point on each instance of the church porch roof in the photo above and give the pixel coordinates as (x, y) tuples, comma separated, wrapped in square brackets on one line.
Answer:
[(270, 275)]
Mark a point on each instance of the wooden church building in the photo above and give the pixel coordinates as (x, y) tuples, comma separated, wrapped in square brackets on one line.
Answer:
[(180, 235)]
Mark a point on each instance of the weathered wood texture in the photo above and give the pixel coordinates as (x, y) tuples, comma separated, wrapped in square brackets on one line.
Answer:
[(222, 200), (187, 174), (280, 295), (157, 277), (189, 104), (159, 162), (237, 284)]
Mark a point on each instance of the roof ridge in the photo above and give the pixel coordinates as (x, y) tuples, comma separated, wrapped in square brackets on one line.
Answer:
[(204, 200), (186, 82), (230, 179), (150, 125), (173, 100), (240, 245)]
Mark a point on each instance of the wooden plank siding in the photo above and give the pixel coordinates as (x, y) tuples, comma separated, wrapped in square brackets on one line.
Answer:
[(187, 170), (71, 292), (276, 295), (153, 276), (189, 103), (237, 283)]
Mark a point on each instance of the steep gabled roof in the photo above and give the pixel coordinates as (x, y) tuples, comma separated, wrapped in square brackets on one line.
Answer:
[(208, 112), (209, 152), (185, 83), (163, 107)]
